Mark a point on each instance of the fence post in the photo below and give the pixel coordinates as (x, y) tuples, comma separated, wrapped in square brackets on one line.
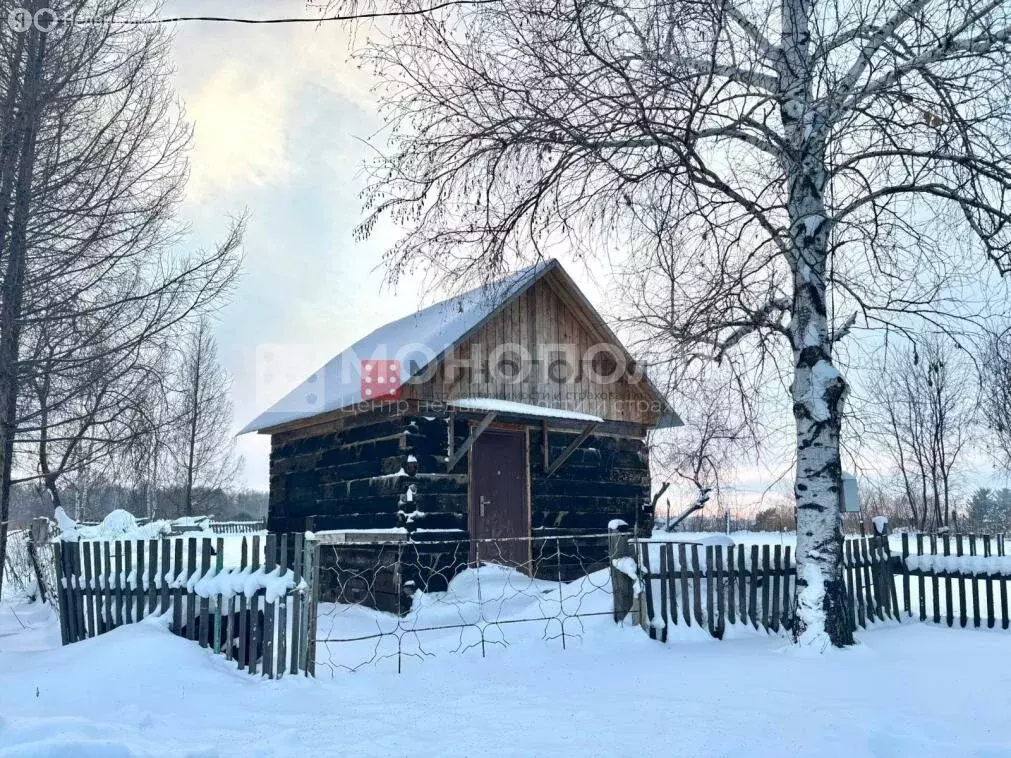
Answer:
[(622, 585), (310, 568), (38, 535)]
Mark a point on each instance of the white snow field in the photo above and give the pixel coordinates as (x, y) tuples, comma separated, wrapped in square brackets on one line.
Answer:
[(909, 690)]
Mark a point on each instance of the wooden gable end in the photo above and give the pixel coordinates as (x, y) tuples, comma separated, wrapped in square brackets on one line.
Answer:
[(550, 325)]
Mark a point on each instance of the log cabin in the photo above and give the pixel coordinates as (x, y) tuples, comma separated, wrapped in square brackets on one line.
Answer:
[(502, 420)]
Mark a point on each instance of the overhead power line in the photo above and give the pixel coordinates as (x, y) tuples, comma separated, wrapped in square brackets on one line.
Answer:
[(365, 16)]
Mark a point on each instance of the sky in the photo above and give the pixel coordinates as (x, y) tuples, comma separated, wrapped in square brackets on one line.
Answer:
[(281, 117), (282, 123)]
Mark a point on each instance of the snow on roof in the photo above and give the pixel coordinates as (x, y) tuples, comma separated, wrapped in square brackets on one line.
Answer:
[(416, 339), (521, 409)]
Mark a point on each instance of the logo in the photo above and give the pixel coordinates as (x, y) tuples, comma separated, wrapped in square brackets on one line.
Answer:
[(19, 19), (380, 379)]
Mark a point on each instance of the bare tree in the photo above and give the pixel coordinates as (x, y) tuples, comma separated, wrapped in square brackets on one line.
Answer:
[(793, 159), (92, 170), (996, 395), (205, 453), (926, 423)]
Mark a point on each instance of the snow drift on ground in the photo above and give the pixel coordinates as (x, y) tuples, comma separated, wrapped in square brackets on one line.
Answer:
[(909, 691)]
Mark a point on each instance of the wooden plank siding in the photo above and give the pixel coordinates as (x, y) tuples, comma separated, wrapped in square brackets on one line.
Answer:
[(544, 327)]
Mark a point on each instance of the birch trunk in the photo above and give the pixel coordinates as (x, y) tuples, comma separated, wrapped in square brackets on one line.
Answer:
[(818, 390)]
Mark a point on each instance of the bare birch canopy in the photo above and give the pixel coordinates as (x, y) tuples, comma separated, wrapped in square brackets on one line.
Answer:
[(520, 119), (757, 161)]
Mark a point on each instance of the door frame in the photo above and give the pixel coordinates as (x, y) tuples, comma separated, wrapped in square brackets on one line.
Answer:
[(472, 515)]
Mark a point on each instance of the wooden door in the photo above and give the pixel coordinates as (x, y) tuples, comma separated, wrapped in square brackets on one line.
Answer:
[(498, 498)]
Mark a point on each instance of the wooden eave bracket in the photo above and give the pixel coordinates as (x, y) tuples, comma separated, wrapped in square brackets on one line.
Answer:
[(573, 446), (469, 442)]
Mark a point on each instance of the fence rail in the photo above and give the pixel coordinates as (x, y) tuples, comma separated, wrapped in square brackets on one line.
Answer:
[(711, 586), (254, 606)]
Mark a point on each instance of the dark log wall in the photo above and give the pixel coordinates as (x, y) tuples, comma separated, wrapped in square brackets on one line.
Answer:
[(375, 475), (346, 478), (378, 473), (606, 478)]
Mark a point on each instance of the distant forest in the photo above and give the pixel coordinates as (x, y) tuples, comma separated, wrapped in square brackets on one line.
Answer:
[(28, 502)]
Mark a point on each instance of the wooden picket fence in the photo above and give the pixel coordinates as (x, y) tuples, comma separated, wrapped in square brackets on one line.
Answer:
[(237, 527), (258, 608), (947, 574), (711, 586)]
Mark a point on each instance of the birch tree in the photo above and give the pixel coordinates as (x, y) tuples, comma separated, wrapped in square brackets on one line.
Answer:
[(810, 167)]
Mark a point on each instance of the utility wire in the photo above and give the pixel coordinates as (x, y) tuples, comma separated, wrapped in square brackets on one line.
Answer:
[(288, 20)]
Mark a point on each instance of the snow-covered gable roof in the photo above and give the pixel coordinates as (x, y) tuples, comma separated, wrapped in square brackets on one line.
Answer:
[(416, 339)]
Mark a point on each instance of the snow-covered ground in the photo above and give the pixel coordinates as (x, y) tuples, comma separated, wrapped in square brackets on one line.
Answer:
[(907, 690)]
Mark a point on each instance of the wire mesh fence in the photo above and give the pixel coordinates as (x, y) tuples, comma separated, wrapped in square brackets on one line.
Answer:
[(387, 604)]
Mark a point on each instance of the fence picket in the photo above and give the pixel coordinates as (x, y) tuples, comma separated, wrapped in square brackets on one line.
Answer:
[(963, 616), (1004, 620), (990, 620), (697, 584), (858, 584), (663, 593), (889, 569), (777, 562), (203, 627), (219, 562), (742, 581), (710, 575), (61, 593), (731, 584), (125, 585), (849, 576), (138, 583), (69, 577), (906, 605), (651, 626), (949, 611), (101, 597), (870, 577), (753, 589), (152, 576), (191, 600), (668, 551), (255, 631), (296, 602), (230, 650), (975, 586), (787, 615), (244, 631), (935, 582), (89, 590), (686, 610), (179, 580), (721, 614), (282, 614), (164, 569)]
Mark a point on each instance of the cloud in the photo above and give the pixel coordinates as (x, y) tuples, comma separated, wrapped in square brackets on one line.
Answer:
[(239, 131)]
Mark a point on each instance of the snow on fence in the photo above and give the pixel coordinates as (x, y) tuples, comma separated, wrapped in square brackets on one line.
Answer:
[(716, 586), (944, 575), (198, 523), (237, 527), (261, 615)]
